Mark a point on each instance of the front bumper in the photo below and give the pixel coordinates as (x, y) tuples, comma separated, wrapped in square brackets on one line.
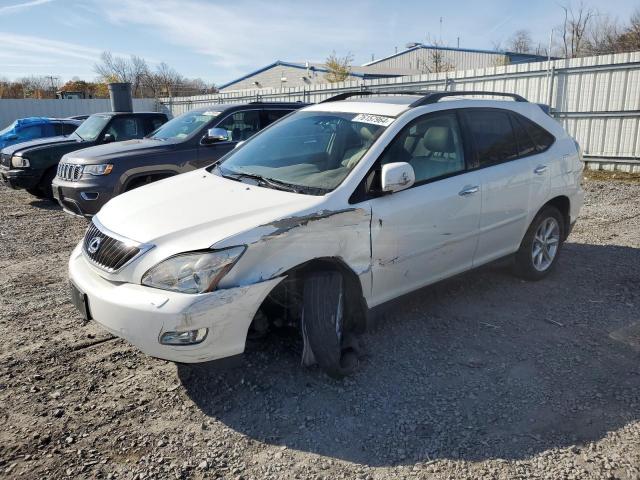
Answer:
[(17, 179), (142, 314), (81, 198)]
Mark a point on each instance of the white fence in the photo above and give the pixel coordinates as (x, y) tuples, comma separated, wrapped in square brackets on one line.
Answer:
[(11, 109), (597, 99)]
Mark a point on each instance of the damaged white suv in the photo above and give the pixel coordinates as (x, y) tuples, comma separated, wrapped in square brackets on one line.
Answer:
[(330, 212)]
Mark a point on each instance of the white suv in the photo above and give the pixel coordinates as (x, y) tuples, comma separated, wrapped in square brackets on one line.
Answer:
[(330, 212)]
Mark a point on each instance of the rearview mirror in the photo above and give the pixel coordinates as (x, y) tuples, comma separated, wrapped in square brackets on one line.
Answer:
[(108, 138), (215, 135), (397, 176)]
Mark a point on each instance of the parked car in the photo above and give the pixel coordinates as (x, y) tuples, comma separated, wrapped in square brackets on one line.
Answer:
[(322, 218), (33, 165), (89, 178), (30, 128)]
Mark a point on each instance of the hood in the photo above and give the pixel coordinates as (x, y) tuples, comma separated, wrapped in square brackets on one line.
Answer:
[(197, 209), (19, 147), (111, 151)]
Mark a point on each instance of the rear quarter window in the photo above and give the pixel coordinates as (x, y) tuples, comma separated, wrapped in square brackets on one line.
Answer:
[(539, 135)]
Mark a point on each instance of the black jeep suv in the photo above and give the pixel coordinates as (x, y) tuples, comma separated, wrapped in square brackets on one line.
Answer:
[(89, 178), (33, 165)]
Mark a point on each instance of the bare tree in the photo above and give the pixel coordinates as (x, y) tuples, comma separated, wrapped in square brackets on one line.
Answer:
[(139, 70), (520, 42), (338, 68), (168, 79), (113, 68), (629, 39), (36, 87), (573, 31), (603, 36)]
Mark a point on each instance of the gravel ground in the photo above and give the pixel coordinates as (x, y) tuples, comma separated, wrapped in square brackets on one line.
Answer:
[(481, 376)]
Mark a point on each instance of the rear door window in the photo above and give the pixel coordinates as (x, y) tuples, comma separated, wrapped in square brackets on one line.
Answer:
[(493, 136)]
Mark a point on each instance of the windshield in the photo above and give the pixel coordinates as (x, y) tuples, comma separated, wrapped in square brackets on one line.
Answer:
[(92, 126), (8, 129), (311, 150), (184, 126)]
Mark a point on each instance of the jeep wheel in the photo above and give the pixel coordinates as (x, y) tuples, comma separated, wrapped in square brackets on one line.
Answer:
[(323, 324), (539, 250)]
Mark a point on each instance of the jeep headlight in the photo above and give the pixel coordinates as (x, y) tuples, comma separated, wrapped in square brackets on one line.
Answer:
[(103, 169), (20, 162), (192, 272)]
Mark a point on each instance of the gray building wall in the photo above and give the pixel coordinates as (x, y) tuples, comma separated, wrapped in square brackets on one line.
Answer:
[(423, 58), (271, 79)]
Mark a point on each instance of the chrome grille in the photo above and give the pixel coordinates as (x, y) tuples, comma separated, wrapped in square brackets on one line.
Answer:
[(69, 171), (106, 251)]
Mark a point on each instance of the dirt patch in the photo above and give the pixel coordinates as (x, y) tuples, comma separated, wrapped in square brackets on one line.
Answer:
[(480, 376)]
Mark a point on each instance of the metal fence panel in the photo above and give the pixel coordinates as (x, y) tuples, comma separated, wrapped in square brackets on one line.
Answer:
[(12, 109)]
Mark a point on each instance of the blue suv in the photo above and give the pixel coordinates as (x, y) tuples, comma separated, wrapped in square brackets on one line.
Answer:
[(31, 128)]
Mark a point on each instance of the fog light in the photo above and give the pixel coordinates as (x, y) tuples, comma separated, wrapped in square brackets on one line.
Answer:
[(189, 337), (89, 195)]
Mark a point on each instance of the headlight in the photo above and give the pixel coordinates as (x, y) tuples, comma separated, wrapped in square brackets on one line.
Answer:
[(194, 272), (20, 162), (104, 169)]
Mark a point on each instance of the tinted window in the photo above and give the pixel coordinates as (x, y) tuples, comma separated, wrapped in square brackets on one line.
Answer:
[(153, 123), (271, 116), (432, 145), (540, 136), (68, 128), (525, 143), (125, 128), (241, 125), (27, 133), (493, 136)]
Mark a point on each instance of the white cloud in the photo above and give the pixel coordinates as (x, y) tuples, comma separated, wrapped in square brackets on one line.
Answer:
[(245, 35), (21, 6)]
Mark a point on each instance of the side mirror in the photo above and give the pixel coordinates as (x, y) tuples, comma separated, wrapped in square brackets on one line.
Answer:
[(397, 176), (215, 135), (108, 138), (239, 143)]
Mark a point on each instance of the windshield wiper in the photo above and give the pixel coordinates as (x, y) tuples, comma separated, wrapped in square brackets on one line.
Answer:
[(264, 181), (79, 136)]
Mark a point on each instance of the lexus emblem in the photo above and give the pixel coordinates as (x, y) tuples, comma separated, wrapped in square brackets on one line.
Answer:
[(94, 245)]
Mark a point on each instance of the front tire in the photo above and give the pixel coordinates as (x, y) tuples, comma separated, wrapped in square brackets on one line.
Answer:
[(541, 245), (45, 184), (323, 323)]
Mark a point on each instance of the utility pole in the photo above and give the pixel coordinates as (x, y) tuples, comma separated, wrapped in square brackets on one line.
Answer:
[(52, 79)]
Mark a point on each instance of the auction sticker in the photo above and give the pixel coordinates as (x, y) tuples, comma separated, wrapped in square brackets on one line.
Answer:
[(374, 119)]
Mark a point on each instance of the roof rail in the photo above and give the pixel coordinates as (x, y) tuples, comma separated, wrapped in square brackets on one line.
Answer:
[(427, 97), (345, 95), (435, 97)]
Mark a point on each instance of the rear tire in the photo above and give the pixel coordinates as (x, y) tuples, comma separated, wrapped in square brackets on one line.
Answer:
[(541, 245), (324, 324)]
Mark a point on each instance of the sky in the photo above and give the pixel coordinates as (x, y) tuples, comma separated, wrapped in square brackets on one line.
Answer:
[(219, 41)]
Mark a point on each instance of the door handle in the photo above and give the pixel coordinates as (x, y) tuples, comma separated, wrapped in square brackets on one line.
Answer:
[(466, 191), (540, 169)]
